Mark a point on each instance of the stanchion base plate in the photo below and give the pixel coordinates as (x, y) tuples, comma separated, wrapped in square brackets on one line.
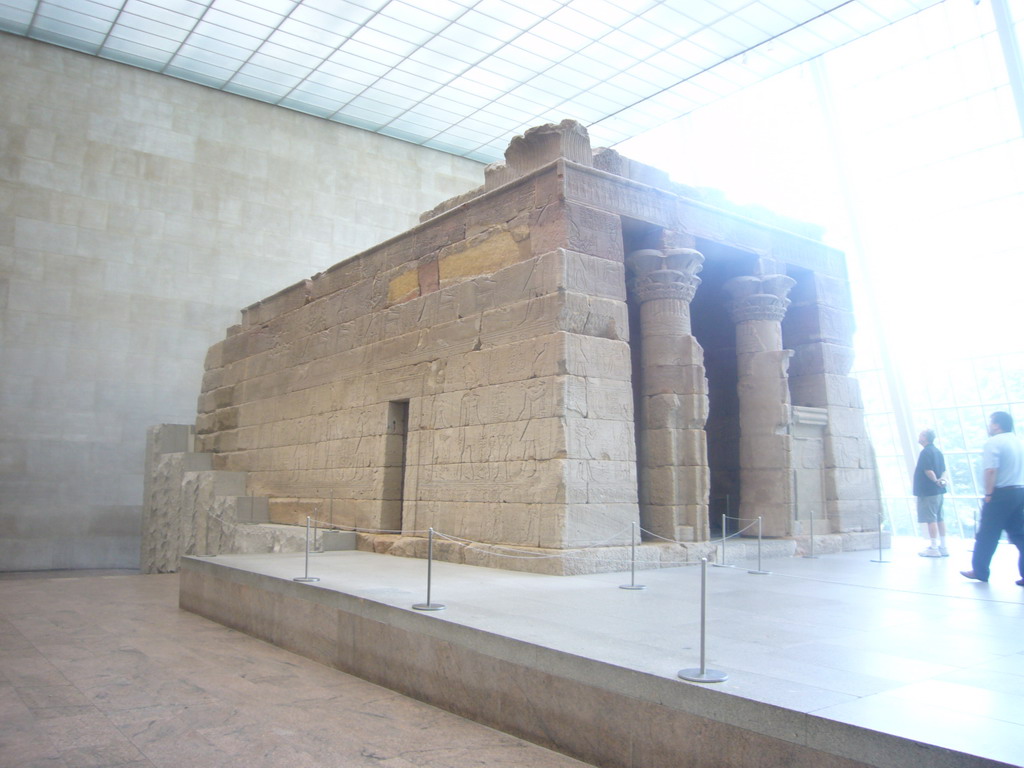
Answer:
[(429, 606), (761, 573), (633, 586), (697, 675), (881, 561), (306, 578), (720, 565), (810, 557)]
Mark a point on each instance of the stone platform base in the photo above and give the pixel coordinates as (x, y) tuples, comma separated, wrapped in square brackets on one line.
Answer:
[(271, 537), (648, 555), (574, 692)]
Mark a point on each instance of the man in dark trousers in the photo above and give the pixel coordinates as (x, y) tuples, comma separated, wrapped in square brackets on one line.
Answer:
[(929, 485), (1002, 459)]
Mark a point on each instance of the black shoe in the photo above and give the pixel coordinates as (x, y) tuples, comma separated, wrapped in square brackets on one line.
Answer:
[(970, 575), (1020, 582)]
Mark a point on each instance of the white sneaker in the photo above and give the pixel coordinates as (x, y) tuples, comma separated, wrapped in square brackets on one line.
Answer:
[(930, 552), (943, 552)]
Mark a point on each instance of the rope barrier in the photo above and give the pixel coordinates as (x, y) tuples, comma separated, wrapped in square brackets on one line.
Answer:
[(741, 530), (356, 529)]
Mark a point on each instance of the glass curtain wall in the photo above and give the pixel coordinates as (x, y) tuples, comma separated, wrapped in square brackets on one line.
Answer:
[(908, 146)]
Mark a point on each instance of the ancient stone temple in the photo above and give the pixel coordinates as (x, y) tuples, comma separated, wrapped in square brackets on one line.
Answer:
[(578, 346)]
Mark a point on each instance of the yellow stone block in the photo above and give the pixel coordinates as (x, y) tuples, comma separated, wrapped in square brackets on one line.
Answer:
[(486, 257), (404, 287)]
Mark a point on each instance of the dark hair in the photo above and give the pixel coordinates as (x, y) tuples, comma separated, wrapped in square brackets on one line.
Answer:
[(929, 435), (1003, 420)]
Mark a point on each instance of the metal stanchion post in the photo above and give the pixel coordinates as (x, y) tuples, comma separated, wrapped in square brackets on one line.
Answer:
[(206, 536), (724, 537), (632, 566), (810, 523), (881, 520), (307, 577), (759, 572), (703, 675), (429, 606)]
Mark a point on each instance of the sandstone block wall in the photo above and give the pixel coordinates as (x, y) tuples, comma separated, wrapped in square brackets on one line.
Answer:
[(508, 351)]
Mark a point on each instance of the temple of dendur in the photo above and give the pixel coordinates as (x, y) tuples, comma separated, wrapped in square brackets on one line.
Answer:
[(575, 351)]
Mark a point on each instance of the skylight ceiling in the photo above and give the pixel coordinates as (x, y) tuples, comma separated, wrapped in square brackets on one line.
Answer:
[(464, 76)]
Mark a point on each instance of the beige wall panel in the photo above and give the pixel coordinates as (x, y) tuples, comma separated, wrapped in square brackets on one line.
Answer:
[(142, 212)]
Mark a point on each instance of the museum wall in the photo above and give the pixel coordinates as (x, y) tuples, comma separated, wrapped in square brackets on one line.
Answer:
[(138, 213)]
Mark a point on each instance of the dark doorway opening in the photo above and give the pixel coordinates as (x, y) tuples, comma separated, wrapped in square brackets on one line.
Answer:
[(716, 333), (396, 442)]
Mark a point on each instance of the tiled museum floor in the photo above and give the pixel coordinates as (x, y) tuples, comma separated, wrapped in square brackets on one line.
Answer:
[(104, 670), (101, 669)]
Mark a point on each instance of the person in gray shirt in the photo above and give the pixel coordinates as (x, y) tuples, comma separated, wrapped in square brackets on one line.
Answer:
[(1002, 458)]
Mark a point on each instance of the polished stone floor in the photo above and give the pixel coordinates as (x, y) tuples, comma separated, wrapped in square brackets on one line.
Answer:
[(100, 670)]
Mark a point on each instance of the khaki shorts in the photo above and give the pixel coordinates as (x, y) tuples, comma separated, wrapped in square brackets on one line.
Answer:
[(929, 509)]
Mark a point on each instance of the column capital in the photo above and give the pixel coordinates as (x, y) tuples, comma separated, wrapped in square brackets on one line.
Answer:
[(667, 274), (759, 297)]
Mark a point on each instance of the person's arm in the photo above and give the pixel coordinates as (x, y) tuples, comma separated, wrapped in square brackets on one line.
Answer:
[(990, 482)]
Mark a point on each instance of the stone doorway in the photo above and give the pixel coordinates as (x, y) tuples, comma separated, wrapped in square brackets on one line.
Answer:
[(395, 449), (716, 333)]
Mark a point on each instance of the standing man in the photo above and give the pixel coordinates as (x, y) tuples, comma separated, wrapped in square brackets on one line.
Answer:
[(929, 485), (1003, 510)]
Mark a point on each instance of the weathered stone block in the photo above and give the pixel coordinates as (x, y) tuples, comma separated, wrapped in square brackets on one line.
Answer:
[(853, 515), (672, 411), (540, 482), (538, 147), (674, 380), (766, 451), (817, 322), (834, 390), (851, 484), (501, 208), (586, 274), (672, 447), (675, 485), (817, 358), (484, 254), (600, 439), (672, 350), (600, 481), (593, 356), (576, 228), (598, 398), (849, 453), (569, 312)]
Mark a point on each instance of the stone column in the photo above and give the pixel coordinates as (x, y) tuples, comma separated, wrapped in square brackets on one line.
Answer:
[(766, 456), (673, 399)]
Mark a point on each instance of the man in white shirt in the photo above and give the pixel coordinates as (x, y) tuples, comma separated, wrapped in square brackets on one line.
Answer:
[(1002, 459)]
